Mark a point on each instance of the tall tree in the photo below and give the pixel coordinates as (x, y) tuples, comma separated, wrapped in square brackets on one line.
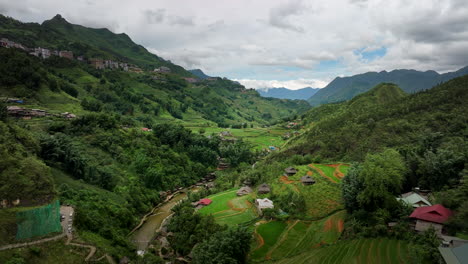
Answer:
[(382, 176)]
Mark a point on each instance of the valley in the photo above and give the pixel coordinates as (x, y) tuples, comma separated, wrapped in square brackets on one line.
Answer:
[(112, 154)]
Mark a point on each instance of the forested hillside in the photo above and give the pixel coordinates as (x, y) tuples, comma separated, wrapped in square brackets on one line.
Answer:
[(410, 81), (108, 141)]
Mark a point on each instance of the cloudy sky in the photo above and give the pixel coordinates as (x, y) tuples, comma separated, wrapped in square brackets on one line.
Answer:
[(274, 43)]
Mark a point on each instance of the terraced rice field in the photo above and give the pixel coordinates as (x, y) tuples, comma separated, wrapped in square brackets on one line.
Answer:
[(332, 172), (380, 250), (227, 208), (261, 138), (276, 240), (322, 198)]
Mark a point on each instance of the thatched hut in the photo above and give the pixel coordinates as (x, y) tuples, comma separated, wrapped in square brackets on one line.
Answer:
[(290, 171), (263, 188), (244, 191), (307, 180)]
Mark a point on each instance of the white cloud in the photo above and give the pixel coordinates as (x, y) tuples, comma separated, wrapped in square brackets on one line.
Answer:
[(292, 84), (277, 40)]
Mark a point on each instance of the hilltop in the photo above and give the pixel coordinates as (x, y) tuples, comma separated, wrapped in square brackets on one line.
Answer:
[(410, 81), (383, 117)]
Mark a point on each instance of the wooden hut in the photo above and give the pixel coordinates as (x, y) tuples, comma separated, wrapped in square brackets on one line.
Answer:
[(290, 171), (263, 188), (244, 191), (307, 180)]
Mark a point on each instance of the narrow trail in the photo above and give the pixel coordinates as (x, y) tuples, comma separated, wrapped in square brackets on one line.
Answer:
[(321, 173)]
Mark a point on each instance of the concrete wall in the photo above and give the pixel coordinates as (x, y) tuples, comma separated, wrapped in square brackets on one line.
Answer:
[(424, 225)]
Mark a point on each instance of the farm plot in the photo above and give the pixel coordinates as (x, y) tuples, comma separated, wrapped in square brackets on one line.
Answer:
[(321, 198), (227, 208), (295, 238), (380, 250), (332, 172)]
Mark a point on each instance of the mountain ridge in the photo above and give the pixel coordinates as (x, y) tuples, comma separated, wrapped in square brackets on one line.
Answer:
[(410, 81), (285, 93)]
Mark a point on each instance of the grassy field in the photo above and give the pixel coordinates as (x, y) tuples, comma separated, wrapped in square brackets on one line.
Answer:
[(381, 250), (277, 240), (261, 138), (227, 208)]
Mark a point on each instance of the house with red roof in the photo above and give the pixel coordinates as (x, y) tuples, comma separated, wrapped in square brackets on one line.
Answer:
[(431, 216), (205, 202)]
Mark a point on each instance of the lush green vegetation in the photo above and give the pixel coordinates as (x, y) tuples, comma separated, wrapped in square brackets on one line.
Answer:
[(227, 208), (50, 252), (381, 250), (277, 240)]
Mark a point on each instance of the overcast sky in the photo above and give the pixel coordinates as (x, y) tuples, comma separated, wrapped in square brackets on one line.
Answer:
[(274, 43)]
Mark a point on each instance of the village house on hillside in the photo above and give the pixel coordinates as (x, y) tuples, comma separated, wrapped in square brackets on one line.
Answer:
[(414, 199), (263, 204), (66, 54), (431, 216), (163, 69), (68, 115), (263, 188), (191, 80), (290, 171), (96, 63), (307, 180), (244, 191)]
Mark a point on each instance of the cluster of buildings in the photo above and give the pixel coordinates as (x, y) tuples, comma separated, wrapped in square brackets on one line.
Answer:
[(46, 53), (454, 250), (26, 113), (38, 52)]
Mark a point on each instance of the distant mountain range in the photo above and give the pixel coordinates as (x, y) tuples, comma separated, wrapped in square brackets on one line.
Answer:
[(410, 81), (284, 93), (199, 73)]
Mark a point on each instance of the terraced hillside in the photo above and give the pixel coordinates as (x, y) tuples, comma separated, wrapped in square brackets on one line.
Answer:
[(321, 198), (379, 250), (276, 240), (230, 209)]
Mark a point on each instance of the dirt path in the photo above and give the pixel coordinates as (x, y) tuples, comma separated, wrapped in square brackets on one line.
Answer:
[(261, 242), (337, 173), (285, 180), (321, 173)]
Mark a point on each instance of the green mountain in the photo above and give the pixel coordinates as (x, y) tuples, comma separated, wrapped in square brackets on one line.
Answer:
[(165, 95), (199, 73), (284, 93), (411, 81), (383, 117), (107, 162)]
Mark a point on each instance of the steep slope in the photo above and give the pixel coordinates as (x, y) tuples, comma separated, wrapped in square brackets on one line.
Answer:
[(57, 33), (341, 89), (167, 96), (384, 117), (284, 93)]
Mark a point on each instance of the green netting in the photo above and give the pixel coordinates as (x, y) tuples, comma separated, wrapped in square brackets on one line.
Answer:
[(38, 221)]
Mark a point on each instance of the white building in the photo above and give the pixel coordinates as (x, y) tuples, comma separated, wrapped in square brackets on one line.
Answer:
[(264, 203)]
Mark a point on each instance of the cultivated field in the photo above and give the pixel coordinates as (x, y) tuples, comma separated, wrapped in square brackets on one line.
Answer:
[(277, 240), (227, 208), (379, 250), (261, 138), (323, 197)]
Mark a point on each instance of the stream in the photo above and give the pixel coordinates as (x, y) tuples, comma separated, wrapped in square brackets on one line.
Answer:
[(143, 235)]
